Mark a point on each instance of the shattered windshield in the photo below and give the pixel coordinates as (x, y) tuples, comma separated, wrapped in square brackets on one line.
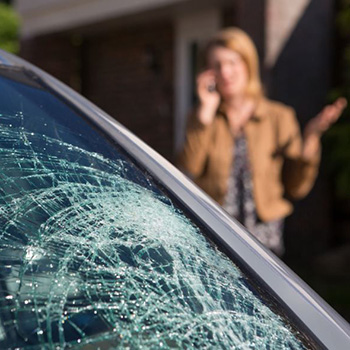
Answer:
[(93, 255)]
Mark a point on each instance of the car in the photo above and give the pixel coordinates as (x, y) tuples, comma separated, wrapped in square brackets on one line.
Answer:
[(106, 245)]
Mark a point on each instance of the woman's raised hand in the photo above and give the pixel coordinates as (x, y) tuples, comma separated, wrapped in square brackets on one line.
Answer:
[(320, 124), (209, 98), (328, 116)]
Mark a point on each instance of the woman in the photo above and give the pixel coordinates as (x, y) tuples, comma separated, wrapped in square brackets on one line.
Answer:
[(245, 150)]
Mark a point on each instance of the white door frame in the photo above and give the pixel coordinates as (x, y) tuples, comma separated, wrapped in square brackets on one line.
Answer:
[(189, 28)]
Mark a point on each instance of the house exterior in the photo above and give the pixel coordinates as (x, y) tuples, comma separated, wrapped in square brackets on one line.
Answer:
[(137, 60)]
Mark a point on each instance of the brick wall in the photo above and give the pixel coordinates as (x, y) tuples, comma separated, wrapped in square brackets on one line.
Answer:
[(128, 73), (56, 54)]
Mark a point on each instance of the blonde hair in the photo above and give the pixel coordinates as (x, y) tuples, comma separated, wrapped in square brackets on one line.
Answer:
[(237, 40)]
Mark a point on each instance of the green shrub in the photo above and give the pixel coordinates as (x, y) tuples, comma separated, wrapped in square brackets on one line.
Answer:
[(9, 25)]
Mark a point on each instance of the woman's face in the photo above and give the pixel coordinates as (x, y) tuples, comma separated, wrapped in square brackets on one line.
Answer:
[(230, 70)]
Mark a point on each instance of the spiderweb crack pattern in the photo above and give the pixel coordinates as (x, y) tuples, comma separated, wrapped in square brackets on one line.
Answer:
[(93, 258)]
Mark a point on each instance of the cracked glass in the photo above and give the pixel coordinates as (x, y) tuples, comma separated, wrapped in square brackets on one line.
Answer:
[(95, 255)]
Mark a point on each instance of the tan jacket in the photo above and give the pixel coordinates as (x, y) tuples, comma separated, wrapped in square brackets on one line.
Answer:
[(274, 148)]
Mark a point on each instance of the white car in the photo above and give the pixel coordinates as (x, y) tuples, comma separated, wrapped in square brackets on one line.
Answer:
[(105, 245)]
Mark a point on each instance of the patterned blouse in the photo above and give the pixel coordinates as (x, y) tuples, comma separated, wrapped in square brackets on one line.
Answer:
[(239, 201)]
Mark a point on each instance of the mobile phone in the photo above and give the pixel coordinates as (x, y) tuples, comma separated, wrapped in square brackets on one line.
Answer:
[(212, 87)]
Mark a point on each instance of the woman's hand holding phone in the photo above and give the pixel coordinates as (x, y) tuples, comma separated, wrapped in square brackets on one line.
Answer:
[(209, 98)]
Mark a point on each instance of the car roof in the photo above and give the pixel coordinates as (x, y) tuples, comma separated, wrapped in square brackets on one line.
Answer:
[(6, 59)]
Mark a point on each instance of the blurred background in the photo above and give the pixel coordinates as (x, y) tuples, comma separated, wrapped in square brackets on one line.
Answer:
[(137, 60)]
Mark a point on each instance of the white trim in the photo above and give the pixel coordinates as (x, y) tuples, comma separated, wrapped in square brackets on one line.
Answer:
[(47, 16), (282, 16), (189, 28)]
